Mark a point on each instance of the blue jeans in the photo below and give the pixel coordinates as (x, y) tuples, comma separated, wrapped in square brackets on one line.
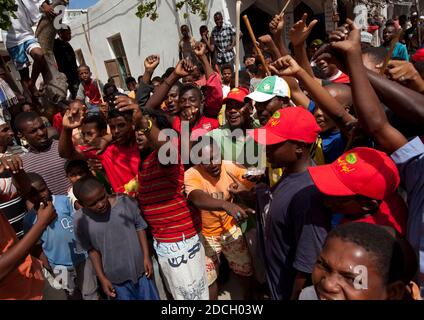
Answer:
[(145, 289)]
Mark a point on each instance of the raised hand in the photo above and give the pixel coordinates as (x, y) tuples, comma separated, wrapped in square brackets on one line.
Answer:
[(184, 68), (151, 62), (276, 25), (125, 103), (199, 49), (46, 213), (72, 120), (301, 31), (12, 163), (285, 66), (346, 39)]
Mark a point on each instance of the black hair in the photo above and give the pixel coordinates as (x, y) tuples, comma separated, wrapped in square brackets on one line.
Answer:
[(203, 27), (258, 61), (188, 87), (115, 113), (84, 66), (111, 80), (140, 78), (218, 13), (85, 185), (107, 86), (179, 85), (71, 164), (98, 120), (244, 79), (390, 23), (157, 79), (24, 117), (35, 177), (252, 68), (160, 116), (168, 73), (386, 251), (226, 67), (64, 27), (129, 80), (377, 54)]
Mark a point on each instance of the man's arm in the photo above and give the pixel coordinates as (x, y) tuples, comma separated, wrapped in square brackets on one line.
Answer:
[(150, 65), (406, 103), (371, 115), (326, 102), (182, 69), (299, 284), (298, 35), (276, 27), (17, 253), (146, 254)]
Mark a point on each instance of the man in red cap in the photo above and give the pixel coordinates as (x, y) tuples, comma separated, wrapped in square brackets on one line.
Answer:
[(362, 185), (292, 221)]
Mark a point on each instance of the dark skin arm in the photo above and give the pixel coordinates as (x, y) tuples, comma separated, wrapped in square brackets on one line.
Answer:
[(276, 27), (145, 246), (406, 103), (150, 65), (268, 43), (299, 284), (327, 103), (298, 35), (200, 51), (182, 69), (14, 256), (96, 259), (371, 115), (66, 146), (203, 201)]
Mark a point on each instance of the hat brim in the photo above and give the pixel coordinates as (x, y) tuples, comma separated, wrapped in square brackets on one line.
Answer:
[(327, 182), (237, 100), (260, 97), (268, 139)]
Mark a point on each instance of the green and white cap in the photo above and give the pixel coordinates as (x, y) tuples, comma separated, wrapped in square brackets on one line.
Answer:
[(269, 88)]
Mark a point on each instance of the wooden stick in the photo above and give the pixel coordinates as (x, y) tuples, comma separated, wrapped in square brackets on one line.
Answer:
[(96, 72), (393, 43), (238, 9), (417, 5), (253, 38), (285, 8)]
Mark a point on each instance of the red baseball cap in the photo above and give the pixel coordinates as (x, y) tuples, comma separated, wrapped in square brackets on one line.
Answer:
[(237, 94), (360, 171), (292, 123)]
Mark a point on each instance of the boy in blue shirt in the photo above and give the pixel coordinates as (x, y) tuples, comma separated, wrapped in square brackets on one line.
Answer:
[(59, 245)]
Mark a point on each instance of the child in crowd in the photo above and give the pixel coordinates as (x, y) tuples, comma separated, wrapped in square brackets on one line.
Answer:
[(88, 90), (59, 246), (112, 231), (75, 170)]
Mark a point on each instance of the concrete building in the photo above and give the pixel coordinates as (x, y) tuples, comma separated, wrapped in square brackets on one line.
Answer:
[(120, 41)]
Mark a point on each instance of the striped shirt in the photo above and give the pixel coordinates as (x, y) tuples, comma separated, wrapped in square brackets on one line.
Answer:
[(164, 205), (50, 166), (12, 205)]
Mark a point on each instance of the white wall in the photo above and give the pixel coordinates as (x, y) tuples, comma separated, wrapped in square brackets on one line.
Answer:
[(140, 37)]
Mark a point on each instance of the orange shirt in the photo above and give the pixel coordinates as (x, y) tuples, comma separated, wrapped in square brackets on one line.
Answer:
[(26, 282), (214, 223)]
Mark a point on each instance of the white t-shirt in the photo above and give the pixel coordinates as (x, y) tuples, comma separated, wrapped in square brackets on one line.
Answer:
[(27, 15)]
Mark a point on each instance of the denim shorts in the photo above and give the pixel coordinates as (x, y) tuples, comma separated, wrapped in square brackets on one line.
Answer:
[(19, 54), (144, 289)]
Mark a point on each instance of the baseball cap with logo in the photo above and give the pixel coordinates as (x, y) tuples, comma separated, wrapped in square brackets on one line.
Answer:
[(237, 94), (292, 123), (360, 171), (269, 88)]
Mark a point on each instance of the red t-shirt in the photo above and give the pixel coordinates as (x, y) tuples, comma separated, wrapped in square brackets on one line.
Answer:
[(58, 122), (92, 93), (163, 203), (340, 77), (121, 164), (393, 213)]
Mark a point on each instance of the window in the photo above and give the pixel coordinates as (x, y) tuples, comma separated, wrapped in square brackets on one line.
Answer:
[(80, 57), (121, 60)]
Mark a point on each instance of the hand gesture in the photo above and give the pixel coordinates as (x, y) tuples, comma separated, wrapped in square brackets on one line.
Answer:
[(12, 163), (125, 103), (151, 63), (402, 71), (301, 31), (184, 68), (237, 212), (285, 66), (199, 49), (72, 121), (346, 39), (188, 114), (46, 214), (108, 288), (94, 165), (276, 25), (48, 10), (148, 267)]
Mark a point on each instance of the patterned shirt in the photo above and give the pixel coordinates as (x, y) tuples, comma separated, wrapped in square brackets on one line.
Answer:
[(223, 39)]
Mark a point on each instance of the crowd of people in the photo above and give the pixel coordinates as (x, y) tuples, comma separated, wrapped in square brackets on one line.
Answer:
[(304, 178)]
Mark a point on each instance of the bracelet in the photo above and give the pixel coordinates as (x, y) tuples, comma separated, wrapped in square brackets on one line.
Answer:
[(146, 130)]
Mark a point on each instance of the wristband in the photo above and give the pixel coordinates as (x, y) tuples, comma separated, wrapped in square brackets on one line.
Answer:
[(146, 130)]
